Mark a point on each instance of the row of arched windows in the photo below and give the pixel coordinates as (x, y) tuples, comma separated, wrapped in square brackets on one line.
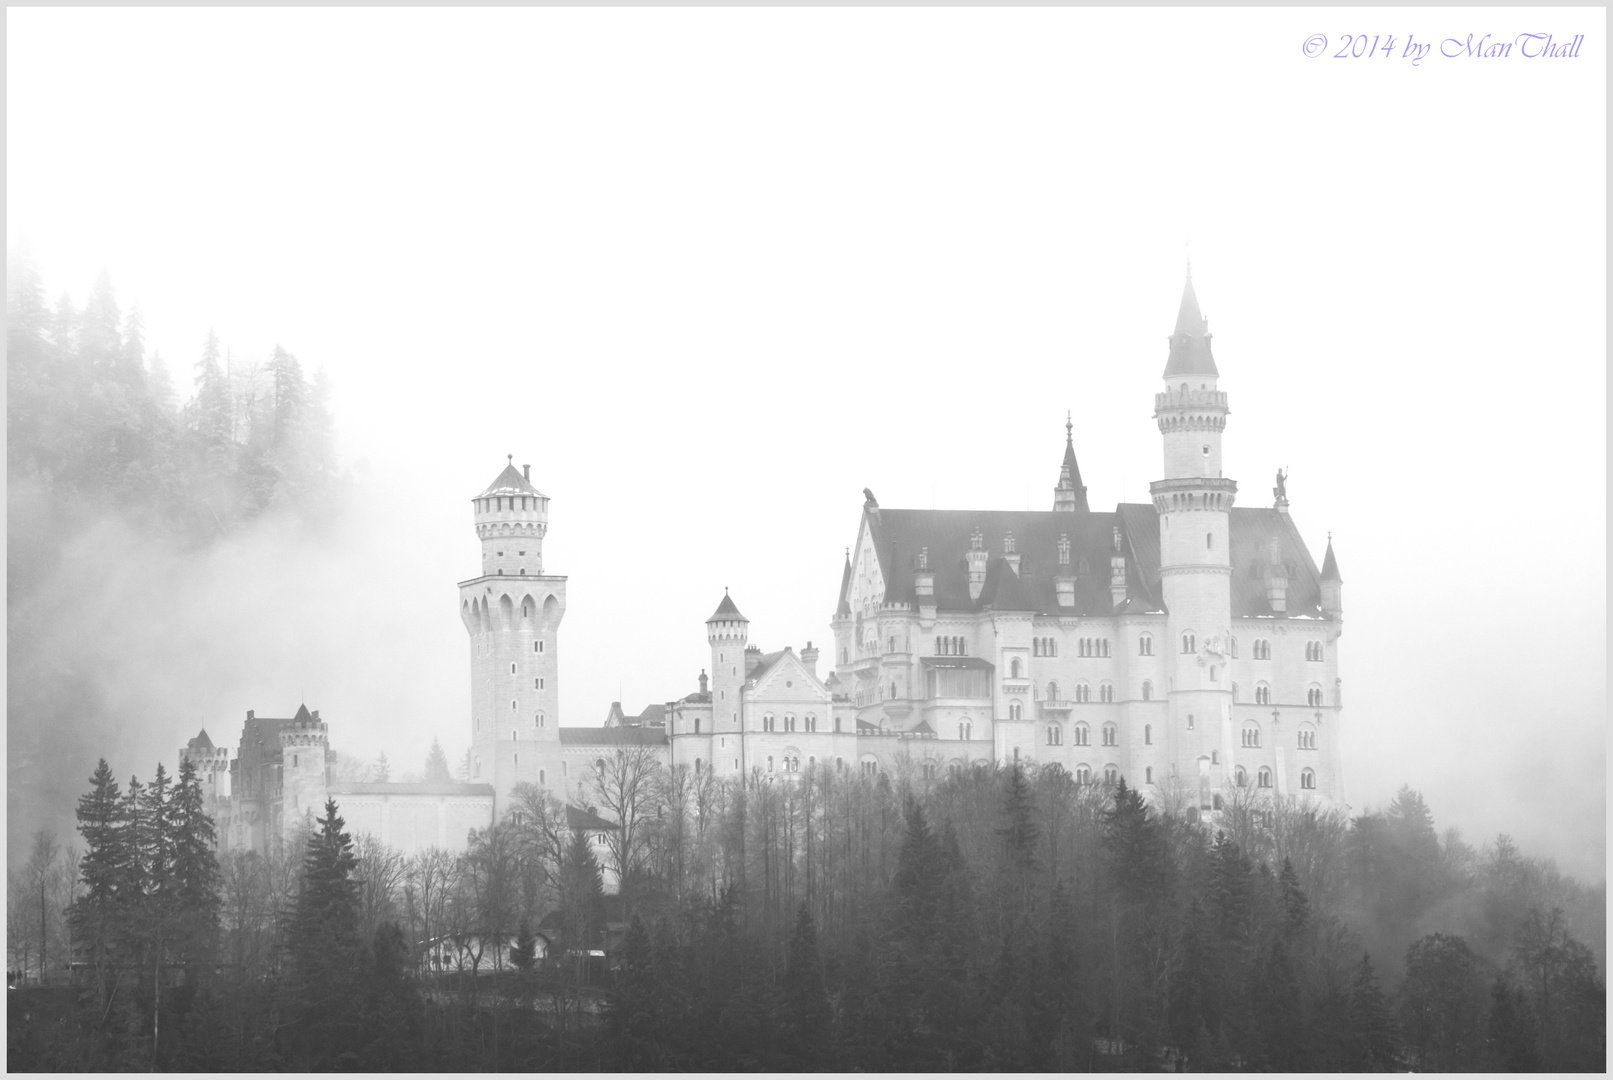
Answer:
[(1044, 646), (1313, 650), (1307, 778), (1094, 647), (951, 646)]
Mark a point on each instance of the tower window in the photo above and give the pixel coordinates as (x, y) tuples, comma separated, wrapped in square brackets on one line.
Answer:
[(293, 761), (540, 776), (538, 719), (1209, 540), (1148, 690), (512, 669), (1190, 721), (1148, 775), (1307, 780), (513, 736), (514, 705), (1145, 645), (1189, 643), (1263, 778), (1206, 450), (1262, 694), (1148, 734), (1013, 710)]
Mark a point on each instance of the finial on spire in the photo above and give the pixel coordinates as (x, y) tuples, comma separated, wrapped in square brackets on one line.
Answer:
[(511, 458), (1069, 427), (1187, 245)]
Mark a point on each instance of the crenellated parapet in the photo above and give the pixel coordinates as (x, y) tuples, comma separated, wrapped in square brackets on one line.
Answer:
[(1206, 493)]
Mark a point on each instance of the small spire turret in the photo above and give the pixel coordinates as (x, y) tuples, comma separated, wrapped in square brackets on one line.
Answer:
[(1069, 495)]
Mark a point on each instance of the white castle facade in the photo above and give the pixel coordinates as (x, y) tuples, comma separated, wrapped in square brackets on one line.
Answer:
[(1187, 644)]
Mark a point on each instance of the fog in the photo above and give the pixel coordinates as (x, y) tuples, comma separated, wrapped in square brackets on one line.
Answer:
[(713, 272)]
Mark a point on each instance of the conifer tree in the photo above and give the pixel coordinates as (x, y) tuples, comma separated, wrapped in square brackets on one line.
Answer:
[(101, 869), (1371, 1026), (806, 1000), (633, 1001), (195, 868), (1513, 1034), (213, 404), (324, 944), (437, 765)]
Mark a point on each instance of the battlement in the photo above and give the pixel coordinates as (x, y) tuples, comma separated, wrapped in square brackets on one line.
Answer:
[(305, 733), (1190, 399)]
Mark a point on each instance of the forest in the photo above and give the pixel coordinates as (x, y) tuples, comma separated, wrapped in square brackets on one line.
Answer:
[(993, 919), (1002, 918), (116, 489)]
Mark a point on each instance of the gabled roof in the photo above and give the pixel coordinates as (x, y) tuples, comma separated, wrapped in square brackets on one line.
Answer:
[(727, 610), (1190, 344), (766, 665), (615, 736), (510, 482), (202, 742)]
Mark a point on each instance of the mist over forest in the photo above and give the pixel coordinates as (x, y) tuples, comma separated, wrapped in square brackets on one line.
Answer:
[(149, 535)]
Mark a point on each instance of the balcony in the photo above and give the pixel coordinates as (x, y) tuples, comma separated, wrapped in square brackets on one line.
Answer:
[(1056, 705)]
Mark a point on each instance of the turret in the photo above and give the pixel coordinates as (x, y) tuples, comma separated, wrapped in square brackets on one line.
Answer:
[(809, 657), (1069, 494), (1332, 584), (727, 631), (512, 518), (304, 745)]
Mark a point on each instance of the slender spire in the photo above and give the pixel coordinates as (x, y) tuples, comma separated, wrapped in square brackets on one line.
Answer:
[(1190, 342), (1330, 565), (1069, 494)]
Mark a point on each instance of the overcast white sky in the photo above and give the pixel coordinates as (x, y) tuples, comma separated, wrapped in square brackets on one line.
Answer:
[(713, 271)]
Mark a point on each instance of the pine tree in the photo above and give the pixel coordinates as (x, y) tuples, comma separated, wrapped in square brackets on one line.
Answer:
[(213, 405), (289, 394), (161, 384), (1295, 904), (1371, 1027), (437, 765), (195, 870), (806, 1000), (101, 869), (100, 335), (325, 948), (1019, 834), (383, 771), (1514, 1038), (630, 1011)]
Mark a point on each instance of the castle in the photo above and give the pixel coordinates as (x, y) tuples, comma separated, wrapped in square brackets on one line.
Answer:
[(1186, 644)]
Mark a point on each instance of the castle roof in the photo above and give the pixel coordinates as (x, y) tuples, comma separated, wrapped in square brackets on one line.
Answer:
[(727, 610), (202, 742), (303, 716), (616, 736), (845, 588), (757, 673), (1070, 471), (898, 536), (1190, 344), (579, 819), (511, 482)]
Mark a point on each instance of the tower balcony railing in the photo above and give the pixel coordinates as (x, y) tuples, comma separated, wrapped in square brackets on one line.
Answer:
[(1055, 705), (1190, 399)]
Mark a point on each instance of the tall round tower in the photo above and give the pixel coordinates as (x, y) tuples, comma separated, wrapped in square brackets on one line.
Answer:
[(727, 632), (512, 611), (1194, 502)]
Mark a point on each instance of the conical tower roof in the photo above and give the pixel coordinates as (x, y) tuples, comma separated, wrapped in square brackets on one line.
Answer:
[(510, 482), (844, 607), (1330, 565), (1069, 470), (727, 610), (1190, 343)]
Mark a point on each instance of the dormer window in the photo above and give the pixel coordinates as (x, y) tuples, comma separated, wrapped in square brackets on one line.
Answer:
[(1064, 549), (1008, 544), (977, 542)]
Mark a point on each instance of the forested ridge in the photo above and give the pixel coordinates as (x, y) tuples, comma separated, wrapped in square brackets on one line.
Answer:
[(1000, 919), (114, 487)]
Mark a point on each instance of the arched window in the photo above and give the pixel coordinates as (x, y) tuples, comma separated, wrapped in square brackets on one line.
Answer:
[(599, 765), (1052, 646), (1055, 735), (769, 762), (1111, 735), (929, 770), (846, 655), (1083, 775), (1083, 735), (1209, 538), (1313, 696), (811, 723), (540, 776), (1148, 690), (1213, 674), (1148, 734), (789, 719), (1052, 691), (513, 736), (1307, 779), (1014, 710), (1313, 651), (1148, 775), (1190, 721), (1145, 645), (1013, 668), (538, 719), (1251, 734), (1106, 692), (1240, 777), (1111, 775), (767, 722), (1083, 692), (1307, 738), (514, 704), (1263, 778), (1262, 649), (1189, 643), (1262, 694), (697, 766), (963, 730), (697, 725)]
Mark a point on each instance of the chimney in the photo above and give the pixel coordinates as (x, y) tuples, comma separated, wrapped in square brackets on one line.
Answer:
[(526, 471), (249, 714), (753, 656), (705, 682), (1276, 578), (809, 657)]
